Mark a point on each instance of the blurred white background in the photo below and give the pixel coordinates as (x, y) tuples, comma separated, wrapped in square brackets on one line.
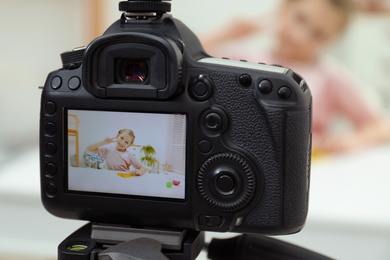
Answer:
[(34, 33)]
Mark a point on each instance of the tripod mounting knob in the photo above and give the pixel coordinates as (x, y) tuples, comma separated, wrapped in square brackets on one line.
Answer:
[(145, 6)]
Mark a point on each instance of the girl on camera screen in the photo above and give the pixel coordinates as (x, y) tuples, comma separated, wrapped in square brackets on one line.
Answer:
[(118, 158)]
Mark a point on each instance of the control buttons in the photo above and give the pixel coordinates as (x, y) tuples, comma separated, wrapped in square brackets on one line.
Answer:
[(202, 88), (51, 149), (210, 221), (56, 82), (50, 108), (50, 128), (284, 92), (212, 122), (265, 86), (204, 146), (272, 92), (51, 190), (50, 170), (245, 80), (74, 83)]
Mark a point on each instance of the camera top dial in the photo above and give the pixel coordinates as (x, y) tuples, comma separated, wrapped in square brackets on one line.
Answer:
[(146, 6)]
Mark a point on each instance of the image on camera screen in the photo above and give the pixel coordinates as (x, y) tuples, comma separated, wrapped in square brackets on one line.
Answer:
[(126, 153)]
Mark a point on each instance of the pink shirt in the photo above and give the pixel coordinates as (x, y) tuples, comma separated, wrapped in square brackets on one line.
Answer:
[(118, 161)]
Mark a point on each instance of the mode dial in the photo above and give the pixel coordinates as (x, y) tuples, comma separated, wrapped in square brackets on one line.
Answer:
[(145, 6)]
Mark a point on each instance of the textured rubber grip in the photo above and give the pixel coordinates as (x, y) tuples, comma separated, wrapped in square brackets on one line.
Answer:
[(296, 167)]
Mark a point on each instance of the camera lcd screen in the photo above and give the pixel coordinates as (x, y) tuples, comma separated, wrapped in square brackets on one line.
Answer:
[(126, 153)]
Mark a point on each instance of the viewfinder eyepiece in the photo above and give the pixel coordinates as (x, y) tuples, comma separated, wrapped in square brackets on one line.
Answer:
[(132, 71)]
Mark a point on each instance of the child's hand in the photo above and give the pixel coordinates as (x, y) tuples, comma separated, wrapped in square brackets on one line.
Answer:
[(137, 173), (109, 140)]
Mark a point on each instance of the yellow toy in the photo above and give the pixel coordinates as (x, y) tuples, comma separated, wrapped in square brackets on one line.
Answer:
[(125, 175)]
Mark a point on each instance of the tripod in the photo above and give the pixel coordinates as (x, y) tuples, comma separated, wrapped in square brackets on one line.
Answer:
[(110, 242)]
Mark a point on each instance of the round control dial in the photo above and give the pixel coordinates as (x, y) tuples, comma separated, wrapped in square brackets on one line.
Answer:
[(226, 181)]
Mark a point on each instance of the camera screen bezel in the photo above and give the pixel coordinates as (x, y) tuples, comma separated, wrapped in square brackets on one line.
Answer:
[(92, 194)]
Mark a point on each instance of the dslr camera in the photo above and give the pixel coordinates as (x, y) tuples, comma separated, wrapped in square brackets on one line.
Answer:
[(144, 128)]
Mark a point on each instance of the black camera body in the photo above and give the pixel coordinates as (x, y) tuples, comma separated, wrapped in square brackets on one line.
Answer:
[(232, 139)]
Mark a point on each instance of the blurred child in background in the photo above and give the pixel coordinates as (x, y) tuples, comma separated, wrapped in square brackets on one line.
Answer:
[(300, 31), (373, 6)]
